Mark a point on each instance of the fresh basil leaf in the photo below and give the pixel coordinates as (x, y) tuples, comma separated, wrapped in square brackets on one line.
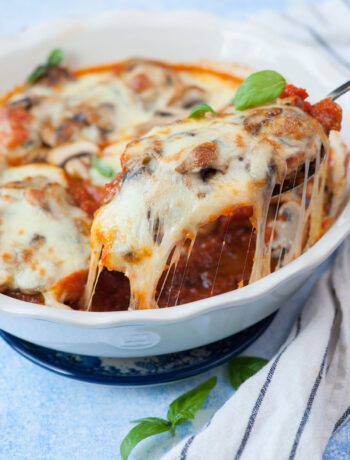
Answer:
[(103, 168), (138, 433), (242, 368), (259, 88), (55, 57), (185, 407), (161, 421), (200, 110), (39, 72)]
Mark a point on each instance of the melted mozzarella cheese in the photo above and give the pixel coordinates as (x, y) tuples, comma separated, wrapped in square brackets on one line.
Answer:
[(107, 107), (337, 179), (44, 238), (183, 175)]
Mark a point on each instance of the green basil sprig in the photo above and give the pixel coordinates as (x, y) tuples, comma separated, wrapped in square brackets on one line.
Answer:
[(55, 57), (54, 60), (259, 88), (180, 411), (242, 368), (103, 168), (200, 110)]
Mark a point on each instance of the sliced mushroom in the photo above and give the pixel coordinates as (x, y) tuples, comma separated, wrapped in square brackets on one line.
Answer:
[(202, 156), (134, 165), (103, 116), (258, 118), (74, 157), (54, 135), (36, 155), (67, 131), (157, 73), (25, 102), (63, 153), (160, 118), (187, 96), (148, 80)]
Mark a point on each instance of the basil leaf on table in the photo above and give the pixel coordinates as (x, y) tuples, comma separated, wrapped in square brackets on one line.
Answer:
[(259, 88), (200, 110), (185, 407), (242, 368), (156, 420), (180, 411), (103, 168), (141, 431), (54, 60)]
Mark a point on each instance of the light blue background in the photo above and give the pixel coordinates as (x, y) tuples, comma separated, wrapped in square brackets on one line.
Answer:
[(19, 14), (47, 417)]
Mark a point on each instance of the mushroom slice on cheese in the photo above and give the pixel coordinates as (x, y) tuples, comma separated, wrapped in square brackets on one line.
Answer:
[(44, 237), (183, 175)]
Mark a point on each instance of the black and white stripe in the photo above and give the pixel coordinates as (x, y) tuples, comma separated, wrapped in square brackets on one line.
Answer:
[(316, 384), (307, 411), (262, 394), (341, 420), (185, 448)]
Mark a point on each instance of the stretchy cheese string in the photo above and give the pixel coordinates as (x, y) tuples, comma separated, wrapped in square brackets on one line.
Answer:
[(261, 266), (220, 254), (275, 220), (189, 252), (93, 276), (177, 254), (247, 254)]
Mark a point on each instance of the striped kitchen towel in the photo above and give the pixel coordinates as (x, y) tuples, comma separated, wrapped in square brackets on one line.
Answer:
[(291, 408)]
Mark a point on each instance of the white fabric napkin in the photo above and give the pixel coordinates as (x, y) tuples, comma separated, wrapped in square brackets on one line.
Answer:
[(290, 408)]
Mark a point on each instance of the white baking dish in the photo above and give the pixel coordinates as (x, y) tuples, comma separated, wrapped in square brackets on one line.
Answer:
[(176, 36)]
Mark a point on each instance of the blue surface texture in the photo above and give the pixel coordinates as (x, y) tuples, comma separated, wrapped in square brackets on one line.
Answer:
[(44, 416)]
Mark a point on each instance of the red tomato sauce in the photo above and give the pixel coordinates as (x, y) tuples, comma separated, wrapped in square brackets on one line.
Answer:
[(33, 298), (327, 112), (85, 195), (13, 126), (210, 260)]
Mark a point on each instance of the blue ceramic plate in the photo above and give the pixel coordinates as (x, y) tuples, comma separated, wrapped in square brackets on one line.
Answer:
[(149, 370)]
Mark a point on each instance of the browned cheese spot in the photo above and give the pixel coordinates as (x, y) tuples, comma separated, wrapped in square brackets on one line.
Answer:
[(200, 157)]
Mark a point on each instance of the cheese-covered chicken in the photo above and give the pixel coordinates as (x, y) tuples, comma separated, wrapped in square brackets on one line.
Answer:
[(44, 237), (117, 104), (186, 174)]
